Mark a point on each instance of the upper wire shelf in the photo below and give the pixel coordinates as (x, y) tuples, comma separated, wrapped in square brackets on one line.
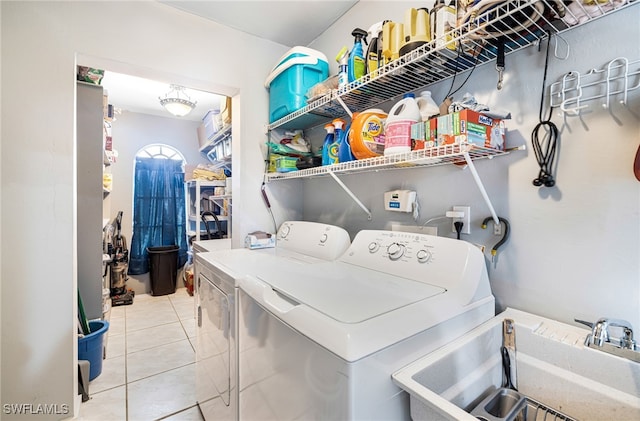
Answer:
[(438, 155), (515, 23)]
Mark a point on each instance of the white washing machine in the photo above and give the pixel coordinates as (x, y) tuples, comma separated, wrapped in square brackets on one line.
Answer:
[(211, 245), (321, 343), (298, 244)]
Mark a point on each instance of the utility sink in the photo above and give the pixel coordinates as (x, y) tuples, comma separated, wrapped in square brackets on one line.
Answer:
[(555, 373)]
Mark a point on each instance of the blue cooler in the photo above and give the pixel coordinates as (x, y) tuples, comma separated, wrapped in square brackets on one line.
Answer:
[(297, 71)]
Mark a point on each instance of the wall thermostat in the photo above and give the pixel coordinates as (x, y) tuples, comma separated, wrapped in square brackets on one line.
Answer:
[(400, 200)]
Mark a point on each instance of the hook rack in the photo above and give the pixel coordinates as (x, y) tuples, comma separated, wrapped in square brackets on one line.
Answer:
[(618, 77)]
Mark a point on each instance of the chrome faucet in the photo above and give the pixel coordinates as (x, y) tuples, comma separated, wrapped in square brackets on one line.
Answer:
[(600, 338)]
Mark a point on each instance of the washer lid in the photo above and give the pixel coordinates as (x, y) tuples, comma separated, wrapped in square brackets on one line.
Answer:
[(349, 294)]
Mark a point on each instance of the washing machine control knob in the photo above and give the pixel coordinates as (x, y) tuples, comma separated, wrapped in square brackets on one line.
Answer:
[(323, 238), (284, 231), (423, 256), (373, 247), (395, 251)]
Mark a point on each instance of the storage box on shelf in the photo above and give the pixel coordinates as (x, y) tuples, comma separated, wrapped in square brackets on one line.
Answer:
[(218, 149)]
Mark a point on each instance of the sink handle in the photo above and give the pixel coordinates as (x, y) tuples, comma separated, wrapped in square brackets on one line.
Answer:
[(600, 331)]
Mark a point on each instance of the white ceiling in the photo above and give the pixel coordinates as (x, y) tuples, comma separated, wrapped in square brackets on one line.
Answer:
[(288, 23)]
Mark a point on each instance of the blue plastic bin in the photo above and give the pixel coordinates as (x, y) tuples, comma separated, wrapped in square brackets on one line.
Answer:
[(90, 347), (297, 71)]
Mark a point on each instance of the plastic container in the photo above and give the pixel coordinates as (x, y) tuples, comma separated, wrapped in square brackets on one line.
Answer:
[(344, 148), (296, 71), (366, 136), (163, 269), (343, 65), (375, 45), (357, 66), (428, 107), (334, 147), (286, 164), (328, 140), (90, 347), (397, 130)]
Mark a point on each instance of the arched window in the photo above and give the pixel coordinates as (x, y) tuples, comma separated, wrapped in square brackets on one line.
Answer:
[(158, 205)]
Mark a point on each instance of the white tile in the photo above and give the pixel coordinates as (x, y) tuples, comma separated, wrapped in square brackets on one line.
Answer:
[(189, 326), (159, 359), (191, 414), (185, 309), (116, 325), (154, 336), (161, 395), (151, 318), (181, 295), (115, 345), (149, 306), (108, 405), (112, 375)]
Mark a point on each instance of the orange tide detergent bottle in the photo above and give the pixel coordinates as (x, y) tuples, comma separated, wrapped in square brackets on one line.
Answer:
[(367, 133)]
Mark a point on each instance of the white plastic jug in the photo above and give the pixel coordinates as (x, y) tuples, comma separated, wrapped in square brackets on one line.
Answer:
[(397, 129), (428, 107)]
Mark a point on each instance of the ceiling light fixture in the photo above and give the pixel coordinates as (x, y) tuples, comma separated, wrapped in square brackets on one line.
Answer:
[(177, 102)]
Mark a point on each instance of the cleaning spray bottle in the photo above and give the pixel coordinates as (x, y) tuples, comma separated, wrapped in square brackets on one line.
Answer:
[(343, 58), (334, 146), (357, 64), (344, 147), (375, 35), (328, 140)]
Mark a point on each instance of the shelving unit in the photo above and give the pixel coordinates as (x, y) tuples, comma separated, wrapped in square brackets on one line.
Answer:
[(434, 62), (511, 24), (195, 192), (218, 149)]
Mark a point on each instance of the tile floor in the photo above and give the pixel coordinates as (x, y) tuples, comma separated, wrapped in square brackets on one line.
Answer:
[(149, 370)]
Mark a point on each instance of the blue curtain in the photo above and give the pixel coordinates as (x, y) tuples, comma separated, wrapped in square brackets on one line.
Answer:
[(158, 211)]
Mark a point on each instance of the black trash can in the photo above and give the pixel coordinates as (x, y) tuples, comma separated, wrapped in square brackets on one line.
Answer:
[(163, 269)]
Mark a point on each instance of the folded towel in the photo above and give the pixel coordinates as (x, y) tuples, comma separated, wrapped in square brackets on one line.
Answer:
[(581, 11)]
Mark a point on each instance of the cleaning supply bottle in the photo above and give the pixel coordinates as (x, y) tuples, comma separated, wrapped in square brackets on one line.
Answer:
[(428, 107), (397, 130), (375, 37), (338, 124), (328, 140), (343, 58), (357, 65), (366, 137), (344, 147)]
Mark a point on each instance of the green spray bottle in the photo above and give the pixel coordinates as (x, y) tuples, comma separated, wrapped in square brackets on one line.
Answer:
[(357, 64)]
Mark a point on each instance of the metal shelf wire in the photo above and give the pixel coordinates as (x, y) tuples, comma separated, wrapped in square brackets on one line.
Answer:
[(516, 23), (439, 155)]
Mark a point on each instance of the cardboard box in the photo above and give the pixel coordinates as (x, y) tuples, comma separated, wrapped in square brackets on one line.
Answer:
[(469, 126), (423, 134)]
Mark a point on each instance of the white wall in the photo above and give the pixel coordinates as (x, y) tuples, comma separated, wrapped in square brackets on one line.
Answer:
[(40, 43), (131, 133), (574, 249)]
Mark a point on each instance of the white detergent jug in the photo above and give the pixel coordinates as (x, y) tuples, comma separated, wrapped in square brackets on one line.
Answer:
[(397, 128), (428, 107)]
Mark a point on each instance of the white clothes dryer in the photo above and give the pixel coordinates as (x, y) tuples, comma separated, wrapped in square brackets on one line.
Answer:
[(298, 244), (321, 343)]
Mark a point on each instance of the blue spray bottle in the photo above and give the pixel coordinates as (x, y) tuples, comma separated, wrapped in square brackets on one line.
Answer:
[(357, 63), (328, 140), (338, 123), (344, 148)]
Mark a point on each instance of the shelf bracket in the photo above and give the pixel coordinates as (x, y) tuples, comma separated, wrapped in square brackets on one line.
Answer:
[(476, 178), (350, 193), (344, 106)]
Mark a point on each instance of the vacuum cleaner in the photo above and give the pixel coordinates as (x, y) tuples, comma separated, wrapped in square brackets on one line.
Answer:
[(119, 266)]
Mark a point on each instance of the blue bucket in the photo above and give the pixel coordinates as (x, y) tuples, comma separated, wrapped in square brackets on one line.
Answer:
[(90, 347)]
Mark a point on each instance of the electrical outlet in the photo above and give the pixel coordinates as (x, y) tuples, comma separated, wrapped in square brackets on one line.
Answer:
[(466, 219)]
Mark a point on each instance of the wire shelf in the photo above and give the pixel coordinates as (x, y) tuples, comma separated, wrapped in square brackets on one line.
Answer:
[(439, 155), (514, 23)]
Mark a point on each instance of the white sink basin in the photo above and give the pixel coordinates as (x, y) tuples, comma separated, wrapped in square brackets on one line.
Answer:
[(552, 366)]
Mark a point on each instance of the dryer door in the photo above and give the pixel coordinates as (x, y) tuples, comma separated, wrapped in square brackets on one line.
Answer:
[(213, 347)]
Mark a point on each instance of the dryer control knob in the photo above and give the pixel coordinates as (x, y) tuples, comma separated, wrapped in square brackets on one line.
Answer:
[(323, 238), (373, 247), (423, 256), (284, 231), (395, 251)]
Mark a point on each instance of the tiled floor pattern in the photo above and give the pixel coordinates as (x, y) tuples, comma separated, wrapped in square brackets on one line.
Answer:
[(149, 370)]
